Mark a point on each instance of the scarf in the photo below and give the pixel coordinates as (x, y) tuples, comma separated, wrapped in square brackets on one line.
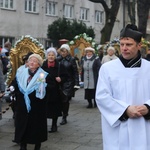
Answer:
[(131, 63), (31, 75), (36, 84), (89, 57), (51, 64)]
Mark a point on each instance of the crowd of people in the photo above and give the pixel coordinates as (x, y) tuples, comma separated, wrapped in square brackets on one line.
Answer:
[(117, 85), (42, 89)]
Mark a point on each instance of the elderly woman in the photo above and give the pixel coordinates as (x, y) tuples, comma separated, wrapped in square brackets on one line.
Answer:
[(72, 81), (110, 55), (89, 75), (30, 91), (59, 75)]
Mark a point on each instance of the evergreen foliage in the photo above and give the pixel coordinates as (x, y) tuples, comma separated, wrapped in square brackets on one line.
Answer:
[(66, 29)]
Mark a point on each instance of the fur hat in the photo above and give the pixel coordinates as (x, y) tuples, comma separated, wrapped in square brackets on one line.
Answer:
[(111, 48), (38, 57), (65, 46), (131, 31), (51, 49), (90, 49)]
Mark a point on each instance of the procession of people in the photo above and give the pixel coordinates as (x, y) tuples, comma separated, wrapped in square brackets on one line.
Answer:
[(117, 85)]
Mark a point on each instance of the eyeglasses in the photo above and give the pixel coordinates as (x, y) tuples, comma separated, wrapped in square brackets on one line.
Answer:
[(33, 61)]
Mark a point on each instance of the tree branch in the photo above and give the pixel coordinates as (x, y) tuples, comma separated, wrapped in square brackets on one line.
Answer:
[(105, 6)]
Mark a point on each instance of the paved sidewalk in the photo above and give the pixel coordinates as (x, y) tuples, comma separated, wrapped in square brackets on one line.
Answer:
[(82, 132)]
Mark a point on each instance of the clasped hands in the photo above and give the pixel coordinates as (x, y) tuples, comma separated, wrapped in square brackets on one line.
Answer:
[(136, 111)]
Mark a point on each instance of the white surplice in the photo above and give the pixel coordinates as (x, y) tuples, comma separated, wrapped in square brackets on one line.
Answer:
[(117, 88)]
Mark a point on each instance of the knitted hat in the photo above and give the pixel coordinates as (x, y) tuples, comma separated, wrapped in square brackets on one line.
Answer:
[(131, 31), (65, 46), (51, 49), (89, 49), (38, 57)]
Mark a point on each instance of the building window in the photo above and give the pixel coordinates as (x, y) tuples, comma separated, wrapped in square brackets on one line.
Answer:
[(68, 11), (31, 5), (98, 16), (9, 4), (50, 8), (84, 14), (5, 39)]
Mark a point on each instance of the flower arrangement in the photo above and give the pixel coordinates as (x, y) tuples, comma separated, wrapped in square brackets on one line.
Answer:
[(32, 39), (86, 38)]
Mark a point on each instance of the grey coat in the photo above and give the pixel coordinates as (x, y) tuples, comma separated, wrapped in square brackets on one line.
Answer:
[(90, 71)]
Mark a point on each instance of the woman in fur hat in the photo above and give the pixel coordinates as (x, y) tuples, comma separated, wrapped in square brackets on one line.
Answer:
[(110, 55), (90, 68)]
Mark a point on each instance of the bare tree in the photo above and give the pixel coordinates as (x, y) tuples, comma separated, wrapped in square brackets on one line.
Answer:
[(111, 14), (142, 10), (131, 10), (143, 7)]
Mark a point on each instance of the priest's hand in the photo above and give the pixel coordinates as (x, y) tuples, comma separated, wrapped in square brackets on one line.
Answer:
[(133, 112), (143, 109)]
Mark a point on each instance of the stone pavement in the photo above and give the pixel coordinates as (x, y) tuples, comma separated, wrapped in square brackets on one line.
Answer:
[(82, 132)]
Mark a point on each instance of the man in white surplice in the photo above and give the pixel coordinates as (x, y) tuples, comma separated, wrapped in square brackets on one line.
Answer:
[(123, 96)]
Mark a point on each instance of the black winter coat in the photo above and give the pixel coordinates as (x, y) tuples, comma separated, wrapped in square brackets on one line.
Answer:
[(73, 75), (30, 127), (54, 103)]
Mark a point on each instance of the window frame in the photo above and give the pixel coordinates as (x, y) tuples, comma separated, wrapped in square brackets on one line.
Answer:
[(84, 14), (68, 11), (52, 6), (99, 16), (7, 4), (31, 6), (4, 39)]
